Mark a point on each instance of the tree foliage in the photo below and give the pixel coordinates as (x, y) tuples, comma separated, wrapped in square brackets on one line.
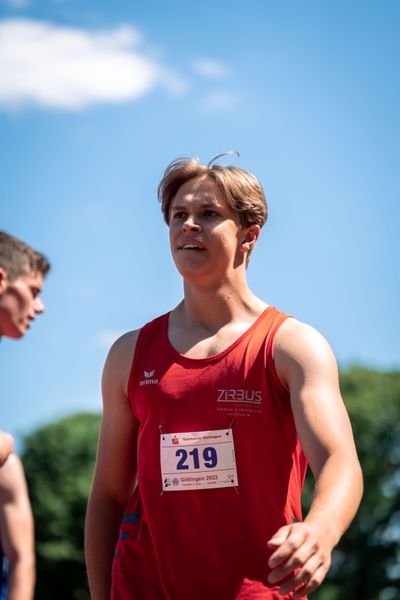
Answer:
[(59, 460)]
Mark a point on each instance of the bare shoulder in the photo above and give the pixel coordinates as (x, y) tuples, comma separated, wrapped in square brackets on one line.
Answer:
[(124, 347), (306, 365), (300, 350), (115, 462), (12, 476), (119, 360)]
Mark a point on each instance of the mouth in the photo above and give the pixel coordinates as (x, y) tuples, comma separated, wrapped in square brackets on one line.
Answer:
[(193, 246)]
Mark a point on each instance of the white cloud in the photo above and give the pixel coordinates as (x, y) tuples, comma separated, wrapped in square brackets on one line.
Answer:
[(49, 65), (107, 337), (211, 68)]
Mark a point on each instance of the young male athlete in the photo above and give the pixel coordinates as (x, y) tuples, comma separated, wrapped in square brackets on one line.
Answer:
[(210, 415), (22, 270)]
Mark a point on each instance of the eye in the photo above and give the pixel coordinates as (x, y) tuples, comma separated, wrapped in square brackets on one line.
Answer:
[(178, 215), (210, 213), (35, 292)]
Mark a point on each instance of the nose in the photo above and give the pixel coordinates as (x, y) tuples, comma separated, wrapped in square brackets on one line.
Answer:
[(38, 305), (190, 225)]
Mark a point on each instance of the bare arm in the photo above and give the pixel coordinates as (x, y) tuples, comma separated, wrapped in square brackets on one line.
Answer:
[(115, 469), (16, 530), (306, 365)]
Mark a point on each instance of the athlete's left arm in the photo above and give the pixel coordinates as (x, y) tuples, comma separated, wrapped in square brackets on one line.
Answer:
[(306, 365)]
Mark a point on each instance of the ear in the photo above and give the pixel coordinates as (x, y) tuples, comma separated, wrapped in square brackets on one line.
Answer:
[(3, 280), (249, 238)]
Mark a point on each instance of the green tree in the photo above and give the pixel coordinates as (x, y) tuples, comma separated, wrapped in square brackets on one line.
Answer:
[(59, 460), (366, 563)]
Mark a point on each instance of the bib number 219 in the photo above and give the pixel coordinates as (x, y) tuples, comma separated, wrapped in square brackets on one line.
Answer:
[(209, 458), (197, 460)]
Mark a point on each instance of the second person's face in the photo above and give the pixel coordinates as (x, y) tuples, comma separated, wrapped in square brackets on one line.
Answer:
[(20, 304)]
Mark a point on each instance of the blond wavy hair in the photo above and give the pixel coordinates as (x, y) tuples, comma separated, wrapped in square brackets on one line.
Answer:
[(242, 190)]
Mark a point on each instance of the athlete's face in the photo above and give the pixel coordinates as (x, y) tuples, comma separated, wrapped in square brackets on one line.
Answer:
[(19, 303), (205, 232)]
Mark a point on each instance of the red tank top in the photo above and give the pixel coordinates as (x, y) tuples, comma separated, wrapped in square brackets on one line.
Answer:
[(209, 544)]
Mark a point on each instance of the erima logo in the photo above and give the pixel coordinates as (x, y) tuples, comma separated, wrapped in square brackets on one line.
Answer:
[(149, 378), (245, 396)]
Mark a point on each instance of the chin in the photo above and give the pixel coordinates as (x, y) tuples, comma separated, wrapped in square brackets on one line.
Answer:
[(189, 273), (15, 334)]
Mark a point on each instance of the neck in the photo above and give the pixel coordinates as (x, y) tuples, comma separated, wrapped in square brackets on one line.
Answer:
[(213, 308)]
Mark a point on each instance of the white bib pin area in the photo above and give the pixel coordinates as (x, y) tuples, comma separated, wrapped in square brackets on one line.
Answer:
[(198, 460)]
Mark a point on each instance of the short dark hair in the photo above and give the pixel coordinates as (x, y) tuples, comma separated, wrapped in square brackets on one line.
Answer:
[(17, 258)]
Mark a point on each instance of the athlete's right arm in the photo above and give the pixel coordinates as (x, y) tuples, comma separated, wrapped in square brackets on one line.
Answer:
[(115, 470)]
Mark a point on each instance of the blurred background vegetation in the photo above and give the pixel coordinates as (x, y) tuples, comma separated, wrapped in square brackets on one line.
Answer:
[(59, 460)]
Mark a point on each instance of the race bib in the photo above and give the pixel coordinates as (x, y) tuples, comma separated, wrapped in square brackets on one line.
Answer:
[(198, 460)]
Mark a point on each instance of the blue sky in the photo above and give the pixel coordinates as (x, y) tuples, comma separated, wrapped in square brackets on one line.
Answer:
[(96, 100)]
